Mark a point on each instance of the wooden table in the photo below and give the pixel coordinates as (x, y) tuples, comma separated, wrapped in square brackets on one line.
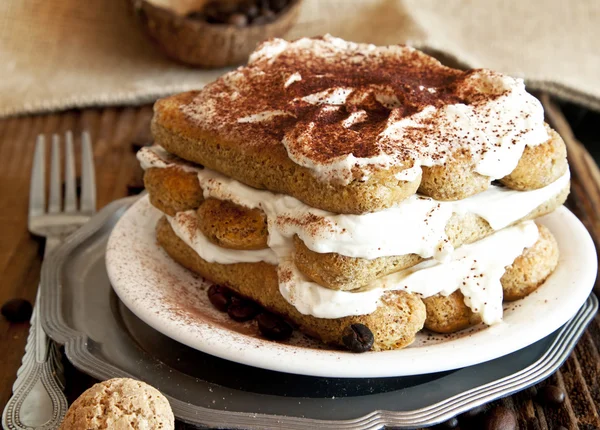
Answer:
[(115, 130)]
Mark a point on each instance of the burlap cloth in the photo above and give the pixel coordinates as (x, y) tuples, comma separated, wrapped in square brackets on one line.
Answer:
[(62, 54)]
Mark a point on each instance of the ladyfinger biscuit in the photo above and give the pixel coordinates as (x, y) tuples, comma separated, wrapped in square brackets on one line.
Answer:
[(268, 167), (233, 226), (173, 190), (303, 120), (532, 268), (529, 271), (449, 314), (394, 324), (340, 272), (539, 165), (456, 179)]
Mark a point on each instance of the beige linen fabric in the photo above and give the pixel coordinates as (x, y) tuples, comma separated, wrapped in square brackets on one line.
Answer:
[(62, 54)]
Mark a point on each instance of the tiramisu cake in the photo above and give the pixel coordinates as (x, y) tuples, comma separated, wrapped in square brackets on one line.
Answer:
[(350, 188)]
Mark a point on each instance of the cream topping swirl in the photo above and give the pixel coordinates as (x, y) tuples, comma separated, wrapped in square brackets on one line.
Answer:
[(344, 110)]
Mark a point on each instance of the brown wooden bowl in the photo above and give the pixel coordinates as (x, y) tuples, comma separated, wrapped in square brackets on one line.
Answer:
[(198, 43)]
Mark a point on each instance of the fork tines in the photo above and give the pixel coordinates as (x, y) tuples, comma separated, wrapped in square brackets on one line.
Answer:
[(37, 195)]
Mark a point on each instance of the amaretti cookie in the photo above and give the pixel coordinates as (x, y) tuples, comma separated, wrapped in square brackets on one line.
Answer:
[(347, 187), (120, 403)]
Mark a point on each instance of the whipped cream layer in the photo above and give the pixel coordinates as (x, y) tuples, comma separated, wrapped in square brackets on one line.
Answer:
[(414, 226), (474, 269), (185, 226), (345, 110), (156, 156)]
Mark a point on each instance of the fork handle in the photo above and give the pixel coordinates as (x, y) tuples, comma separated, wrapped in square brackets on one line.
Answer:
[(38, 401)]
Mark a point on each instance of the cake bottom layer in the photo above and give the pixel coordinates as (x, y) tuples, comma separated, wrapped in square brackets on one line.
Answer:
[(399, 316), (394, 324), (450, 314)]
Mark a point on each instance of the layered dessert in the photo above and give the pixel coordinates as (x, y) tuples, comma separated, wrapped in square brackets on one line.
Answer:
[(346, 186)]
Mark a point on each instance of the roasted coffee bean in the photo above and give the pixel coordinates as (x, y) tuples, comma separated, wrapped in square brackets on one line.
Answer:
[(273, 327), (250, 10), (242, 310), (278, 5), (240, 14), (551, 395), (561, 428), (358, 338), (17, 310), (238, 19), (500, 418), (220, 297), (452, 423)]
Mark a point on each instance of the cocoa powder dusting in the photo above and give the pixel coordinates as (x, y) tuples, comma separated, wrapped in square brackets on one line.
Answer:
[(394, 79)]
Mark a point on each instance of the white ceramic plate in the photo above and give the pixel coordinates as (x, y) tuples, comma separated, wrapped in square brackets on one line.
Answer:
[(173, 301)]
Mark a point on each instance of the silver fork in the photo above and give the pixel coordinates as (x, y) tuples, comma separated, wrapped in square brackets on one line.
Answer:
[(38, 401)]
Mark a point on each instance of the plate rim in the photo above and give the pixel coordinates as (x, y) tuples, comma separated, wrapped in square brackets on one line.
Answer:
[(78, 351), (325, 363)]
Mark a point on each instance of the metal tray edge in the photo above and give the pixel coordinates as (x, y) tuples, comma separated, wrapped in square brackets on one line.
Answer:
[(77, 349)]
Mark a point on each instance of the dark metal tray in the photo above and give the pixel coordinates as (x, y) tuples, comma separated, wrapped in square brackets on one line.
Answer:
[(104, 339)]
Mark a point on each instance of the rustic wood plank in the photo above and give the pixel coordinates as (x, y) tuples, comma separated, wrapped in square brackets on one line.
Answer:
[(540, 417), (579, 395), (588, 355), (557, 415)]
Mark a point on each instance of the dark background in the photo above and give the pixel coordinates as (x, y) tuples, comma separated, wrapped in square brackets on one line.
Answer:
[(586, 126)]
